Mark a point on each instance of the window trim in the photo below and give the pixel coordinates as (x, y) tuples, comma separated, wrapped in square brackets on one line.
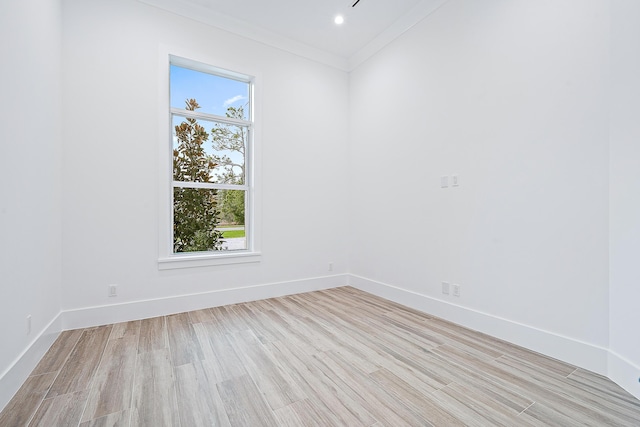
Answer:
[(167, 259)]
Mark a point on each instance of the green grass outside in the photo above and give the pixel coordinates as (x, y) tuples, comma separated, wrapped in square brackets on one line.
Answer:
[(232, 234)]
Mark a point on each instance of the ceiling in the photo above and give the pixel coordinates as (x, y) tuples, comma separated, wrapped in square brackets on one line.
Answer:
[(306, 27)]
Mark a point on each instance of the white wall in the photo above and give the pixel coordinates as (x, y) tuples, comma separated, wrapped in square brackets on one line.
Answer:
[(624, 195), (513, 97), (111, 129), (30, 241)]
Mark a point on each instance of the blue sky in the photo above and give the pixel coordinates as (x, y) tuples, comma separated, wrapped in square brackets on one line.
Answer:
[(213, 93)]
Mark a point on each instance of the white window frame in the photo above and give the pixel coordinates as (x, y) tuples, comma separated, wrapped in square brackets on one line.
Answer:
[(167, 258)]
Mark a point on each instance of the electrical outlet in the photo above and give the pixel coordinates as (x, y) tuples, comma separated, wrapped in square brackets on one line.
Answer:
[(113, 290), (28, 324), (445, 288), (456, 290), (330, 266), (444, 181), (455, 180)]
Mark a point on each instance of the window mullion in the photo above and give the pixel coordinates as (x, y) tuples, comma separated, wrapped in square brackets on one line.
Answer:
[(209, 117), (210, 185)]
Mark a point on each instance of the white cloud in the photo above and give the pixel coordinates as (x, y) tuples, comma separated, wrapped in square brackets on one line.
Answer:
[(234, 99)]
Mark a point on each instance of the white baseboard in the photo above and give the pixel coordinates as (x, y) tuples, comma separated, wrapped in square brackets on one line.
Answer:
[(576, 352), (18, 372), (624, 373), (135, 310), (573, 351)]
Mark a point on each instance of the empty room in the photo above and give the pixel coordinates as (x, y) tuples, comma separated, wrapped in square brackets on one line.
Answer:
[(320, 213)]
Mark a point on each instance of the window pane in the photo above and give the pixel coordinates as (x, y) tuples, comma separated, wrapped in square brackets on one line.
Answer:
[(207, 151), (231, 204), (208, 220), (215, 95), (196, 220), (229, 144)]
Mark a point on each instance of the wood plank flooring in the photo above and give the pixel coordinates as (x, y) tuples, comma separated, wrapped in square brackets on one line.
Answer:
[(339, 357)]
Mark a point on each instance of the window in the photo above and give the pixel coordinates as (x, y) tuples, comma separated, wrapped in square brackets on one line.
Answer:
[(211, 200)]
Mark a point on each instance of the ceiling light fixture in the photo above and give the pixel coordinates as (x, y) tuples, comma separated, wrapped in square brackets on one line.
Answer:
[(339, 20)]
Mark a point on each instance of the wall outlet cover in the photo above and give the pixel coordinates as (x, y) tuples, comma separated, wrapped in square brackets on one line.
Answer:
[(444, 181), (445, 288)]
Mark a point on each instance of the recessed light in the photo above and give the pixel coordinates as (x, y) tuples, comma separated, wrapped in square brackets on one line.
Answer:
[(339, 20)]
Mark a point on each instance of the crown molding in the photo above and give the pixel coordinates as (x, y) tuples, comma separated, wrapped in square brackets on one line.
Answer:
[(418, 13), (208, 16)]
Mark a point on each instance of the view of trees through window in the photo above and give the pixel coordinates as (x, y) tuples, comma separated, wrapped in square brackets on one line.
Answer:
[(210, 142)]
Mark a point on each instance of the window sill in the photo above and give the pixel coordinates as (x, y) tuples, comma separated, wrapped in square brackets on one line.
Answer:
[(205, 260)]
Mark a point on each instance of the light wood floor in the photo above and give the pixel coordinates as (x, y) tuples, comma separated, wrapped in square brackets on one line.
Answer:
[(339, 357)]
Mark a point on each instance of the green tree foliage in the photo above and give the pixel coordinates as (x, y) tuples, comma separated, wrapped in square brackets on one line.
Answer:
[(232, 206), (196, 214), (231, 169), (230, 138)]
